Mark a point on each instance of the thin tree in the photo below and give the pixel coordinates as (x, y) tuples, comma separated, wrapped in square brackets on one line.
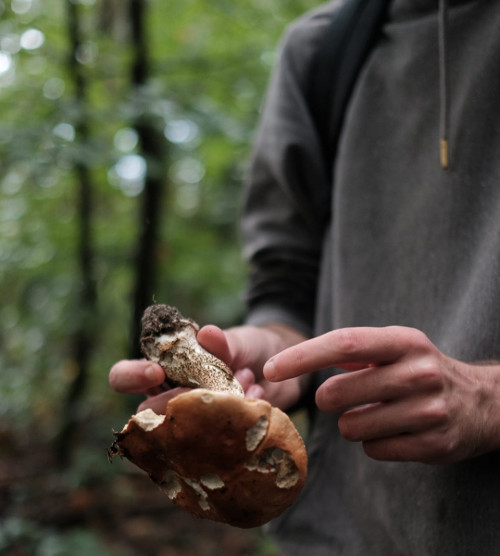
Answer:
[(154, 149), (82, 339)]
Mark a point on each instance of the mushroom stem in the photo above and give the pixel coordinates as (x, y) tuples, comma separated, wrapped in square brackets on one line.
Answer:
[(169, 339)]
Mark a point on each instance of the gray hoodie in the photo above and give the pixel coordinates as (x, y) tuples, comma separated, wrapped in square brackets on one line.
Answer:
[(404, 242)]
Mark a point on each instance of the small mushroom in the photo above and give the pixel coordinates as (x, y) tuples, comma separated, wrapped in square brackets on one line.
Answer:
[(217, 454), (170, 339)]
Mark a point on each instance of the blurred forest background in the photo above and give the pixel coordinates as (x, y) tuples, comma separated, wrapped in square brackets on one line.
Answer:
[(124, 133)]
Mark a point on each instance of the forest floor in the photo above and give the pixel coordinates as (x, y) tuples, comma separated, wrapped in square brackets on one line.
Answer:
[(116, 512)]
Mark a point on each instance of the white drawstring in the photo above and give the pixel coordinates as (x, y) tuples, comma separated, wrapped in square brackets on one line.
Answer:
[(443, 84)]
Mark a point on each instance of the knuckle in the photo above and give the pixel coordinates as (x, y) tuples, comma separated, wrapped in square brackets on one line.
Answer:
[(418, 338), (347, 340), (436, 412), (412, 338), (298, 355), (438, 447), (431, 376), (426, 374)]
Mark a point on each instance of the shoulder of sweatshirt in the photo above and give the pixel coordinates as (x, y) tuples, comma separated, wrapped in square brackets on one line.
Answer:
[(302, 36)]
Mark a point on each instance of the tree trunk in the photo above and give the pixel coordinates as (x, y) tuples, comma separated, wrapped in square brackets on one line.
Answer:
[(153, 149), (83, 335)]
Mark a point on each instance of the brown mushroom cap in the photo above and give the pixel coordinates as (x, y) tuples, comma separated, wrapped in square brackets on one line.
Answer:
[(220, 456), (215, 453)]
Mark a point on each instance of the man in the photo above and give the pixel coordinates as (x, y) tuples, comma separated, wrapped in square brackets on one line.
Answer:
[(386, 305)]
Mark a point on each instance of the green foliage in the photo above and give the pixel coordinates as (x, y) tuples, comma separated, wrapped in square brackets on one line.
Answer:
[(209, 66), (210, 62)]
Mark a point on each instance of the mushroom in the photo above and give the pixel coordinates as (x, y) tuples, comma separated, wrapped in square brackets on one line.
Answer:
[(217, 454), (170, 339)]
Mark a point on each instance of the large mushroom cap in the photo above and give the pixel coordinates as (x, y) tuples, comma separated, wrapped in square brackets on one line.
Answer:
[(215, 453), (219, 456)]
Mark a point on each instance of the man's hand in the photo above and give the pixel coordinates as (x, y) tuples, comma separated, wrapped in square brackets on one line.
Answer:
[(131, 376), (244, 349), (401, 397)]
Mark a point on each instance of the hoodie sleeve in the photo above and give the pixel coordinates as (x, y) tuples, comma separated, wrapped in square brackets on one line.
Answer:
[(287, 192)]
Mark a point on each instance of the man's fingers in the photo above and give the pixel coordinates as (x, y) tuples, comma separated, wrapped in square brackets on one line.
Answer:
[(213, 339), (245, 377), (380, 384), (132, 376), (384, 420), (348, 348), (159, 403), (237, 346), (427, 447)]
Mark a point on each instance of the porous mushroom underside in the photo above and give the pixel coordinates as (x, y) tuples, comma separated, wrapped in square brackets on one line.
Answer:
[(219, 456)]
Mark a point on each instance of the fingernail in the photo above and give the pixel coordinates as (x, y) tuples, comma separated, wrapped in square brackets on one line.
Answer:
[(270, 370), (149, 373)]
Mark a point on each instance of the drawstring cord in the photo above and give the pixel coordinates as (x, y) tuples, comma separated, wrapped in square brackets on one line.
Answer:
[(443, 84)]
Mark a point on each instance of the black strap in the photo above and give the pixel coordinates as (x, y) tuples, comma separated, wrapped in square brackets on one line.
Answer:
[(346, 43)]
